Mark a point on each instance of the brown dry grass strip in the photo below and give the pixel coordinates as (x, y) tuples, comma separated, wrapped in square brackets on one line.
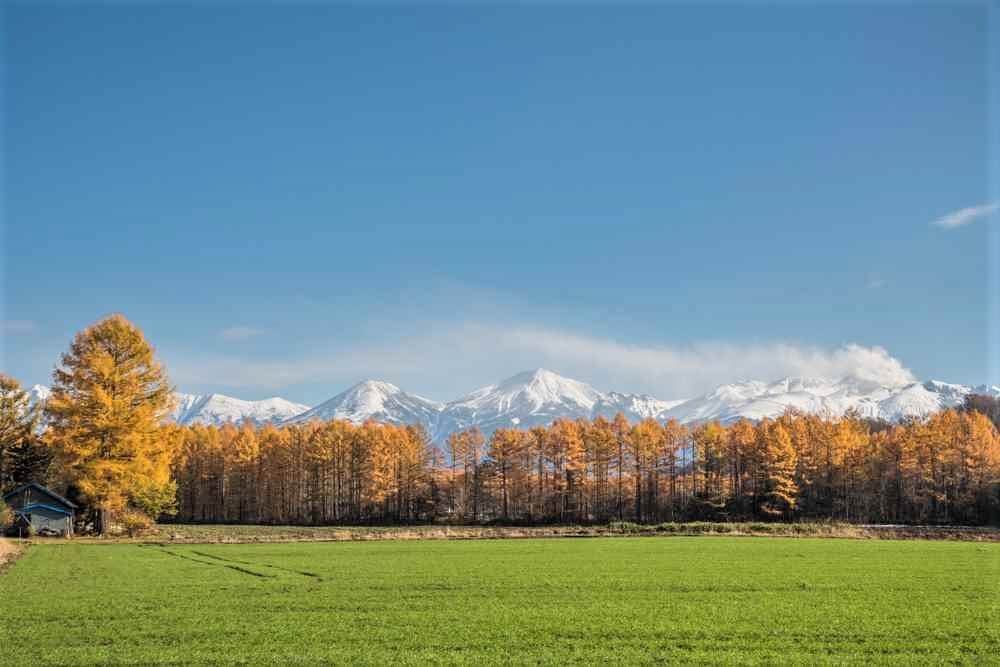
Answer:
[(9, 552), (246, 534)]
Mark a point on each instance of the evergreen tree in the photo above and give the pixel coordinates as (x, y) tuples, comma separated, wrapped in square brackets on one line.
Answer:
[(23, 456)]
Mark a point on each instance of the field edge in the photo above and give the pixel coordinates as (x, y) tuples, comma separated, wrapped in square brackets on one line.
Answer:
[(269, 534)]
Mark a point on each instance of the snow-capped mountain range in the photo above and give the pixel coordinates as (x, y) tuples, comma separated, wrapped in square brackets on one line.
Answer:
[(538, 397), (757, 400), (218, 409), (535, 398), (215, 409)]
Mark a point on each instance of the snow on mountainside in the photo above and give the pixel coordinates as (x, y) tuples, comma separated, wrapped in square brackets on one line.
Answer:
[(538, 397), (831, 398), (376, 400), (524, 400), (214, 409), (527, 399), (38, 394), (635, 407), (756, 400), (220, 409)]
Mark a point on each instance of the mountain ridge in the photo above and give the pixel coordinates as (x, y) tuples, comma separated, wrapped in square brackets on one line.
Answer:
[(217, 409), (373, 399), (538, 397)]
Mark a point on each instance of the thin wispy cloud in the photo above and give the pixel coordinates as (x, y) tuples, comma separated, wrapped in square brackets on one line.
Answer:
[(685, 370), (458, 357), (18, 327), (240, 333), (965, 216), (875, 282)]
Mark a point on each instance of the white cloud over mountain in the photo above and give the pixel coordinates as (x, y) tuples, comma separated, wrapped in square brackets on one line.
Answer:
[(452, 356)]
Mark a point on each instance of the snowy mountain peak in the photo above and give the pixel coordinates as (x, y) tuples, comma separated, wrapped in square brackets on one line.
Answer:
[(378, 400), (527, 399), (220, 409), (380, 386), (536, 389), (541, 387), (536, 376), (370, 395)]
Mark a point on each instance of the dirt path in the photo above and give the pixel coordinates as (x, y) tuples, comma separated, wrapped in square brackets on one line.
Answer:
[(8, 552)]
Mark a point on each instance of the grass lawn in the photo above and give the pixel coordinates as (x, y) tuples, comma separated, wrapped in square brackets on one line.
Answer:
[(625, 600)]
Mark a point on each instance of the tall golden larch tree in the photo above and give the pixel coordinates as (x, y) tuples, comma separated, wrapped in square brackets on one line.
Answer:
[(645, 440), (537, 448), (504, 451), (675, 439), (778, 459), (709, 441), (599, 437), (109, 399), (742, 439), (621, 429), (567, 456), (457, 445)]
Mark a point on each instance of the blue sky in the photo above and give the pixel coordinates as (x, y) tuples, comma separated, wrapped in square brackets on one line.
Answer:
[(654, 198)]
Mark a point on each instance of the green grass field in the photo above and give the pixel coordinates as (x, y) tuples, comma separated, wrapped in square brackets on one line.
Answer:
[(623, 600)]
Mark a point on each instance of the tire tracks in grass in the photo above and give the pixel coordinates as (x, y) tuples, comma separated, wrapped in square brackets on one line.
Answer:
[(303, 573), (237, 568)]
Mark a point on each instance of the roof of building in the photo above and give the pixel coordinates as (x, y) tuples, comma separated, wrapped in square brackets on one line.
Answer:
[(33, 506), (39, 487)]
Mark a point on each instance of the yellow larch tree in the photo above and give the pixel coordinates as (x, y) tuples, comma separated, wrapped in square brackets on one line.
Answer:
[(599, 439), (109, 400), (504, 451), (710, 442), (778, 460), (645, 440), (567, 455), (675, 438)]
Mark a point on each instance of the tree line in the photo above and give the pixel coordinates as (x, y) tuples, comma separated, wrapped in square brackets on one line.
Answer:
[(106, 444), (943, 469), (317, 473)]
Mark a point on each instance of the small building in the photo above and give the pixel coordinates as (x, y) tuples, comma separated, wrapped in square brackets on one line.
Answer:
[(45, 511)]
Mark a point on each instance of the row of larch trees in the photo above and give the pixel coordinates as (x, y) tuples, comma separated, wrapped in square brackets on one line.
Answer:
[(940, 470), (316, 473), (108, 444)]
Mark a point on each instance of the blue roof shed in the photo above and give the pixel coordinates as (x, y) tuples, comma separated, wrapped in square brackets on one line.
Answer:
[(41, 508)]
